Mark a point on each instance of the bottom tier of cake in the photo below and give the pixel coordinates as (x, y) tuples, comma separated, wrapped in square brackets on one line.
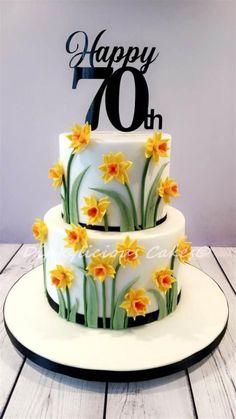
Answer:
[(116, 280)]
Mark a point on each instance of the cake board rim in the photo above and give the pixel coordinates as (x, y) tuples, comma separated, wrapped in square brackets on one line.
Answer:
[(103, 374)]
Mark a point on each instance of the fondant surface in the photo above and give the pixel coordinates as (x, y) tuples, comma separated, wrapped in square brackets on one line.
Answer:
[(158, 243), (132, 146), (177, 341)]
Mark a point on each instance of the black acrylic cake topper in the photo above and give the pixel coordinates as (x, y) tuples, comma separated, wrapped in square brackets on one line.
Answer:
[(78, 46)]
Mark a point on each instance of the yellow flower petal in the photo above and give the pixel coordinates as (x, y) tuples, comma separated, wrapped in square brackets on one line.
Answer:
[(184, 250), (168, 189), (80, 137), (163, 278), (101, 266), (136, 302), (56, 173), (115, 167), (40, 230), (156, 147), (62, 277), (129, 251), (76, 238), (95, 210)]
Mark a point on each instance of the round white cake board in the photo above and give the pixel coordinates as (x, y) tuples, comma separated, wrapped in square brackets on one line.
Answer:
[(153, 350)]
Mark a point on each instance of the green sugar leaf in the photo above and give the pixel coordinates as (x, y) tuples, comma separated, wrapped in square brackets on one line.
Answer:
[(74, 309), (160, 302), (126, 220), (119, 313), (152, 198), (174, 292), (74, 212), (92, 303), (62, 305)]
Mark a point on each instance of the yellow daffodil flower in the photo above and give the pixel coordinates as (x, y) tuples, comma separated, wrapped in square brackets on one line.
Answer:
[(129, 252), (156, 147), (163, 278), (77, 238), (136, 302), (95, 209), (40, 230), (101, 266), (168, 189), (56, 173), (183, 250), (62, 277), (80, 137), (115, 167)]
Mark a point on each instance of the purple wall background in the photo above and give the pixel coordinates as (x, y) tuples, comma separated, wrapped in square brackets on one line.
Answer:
[(192, 85)]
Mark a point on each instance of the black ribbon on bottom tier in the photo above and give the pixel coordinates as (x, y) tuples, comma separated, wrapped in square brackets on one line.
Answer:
[(140, 320), (114, 228)]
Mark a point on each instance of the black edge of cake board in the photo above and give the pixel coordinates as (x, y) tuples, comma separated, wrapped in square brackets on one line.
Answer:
[(115, 376)]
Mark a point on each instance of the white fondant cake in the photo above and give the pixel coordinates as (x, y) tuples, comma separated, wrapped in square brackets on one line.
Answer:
[(158, 243), (131, 145), (113, 250)]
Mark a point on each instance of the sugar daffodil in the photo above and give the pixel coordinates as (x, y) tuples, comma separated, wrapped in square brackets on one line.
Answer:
[(79, 137), (183, 250), (62, 277), (115, 167), (77, 238), (156, 147), (168, 189), (163, 278), (101, 266), (56, 173), (95, 209), (40, 230), (129, 251), (136, 302)]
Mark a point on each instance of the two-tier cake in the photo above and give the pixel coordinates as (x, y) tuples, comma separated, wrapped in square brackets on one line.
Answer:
[(112, 252)]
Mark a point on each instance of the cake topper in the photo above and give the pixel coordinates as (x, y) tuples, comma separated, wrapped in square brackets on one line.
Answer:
[(78, 46)]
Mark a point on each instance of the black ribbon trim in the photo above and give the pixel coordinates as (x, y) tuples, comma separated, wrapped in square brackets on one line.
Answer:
[(140, 320), (113, 228)]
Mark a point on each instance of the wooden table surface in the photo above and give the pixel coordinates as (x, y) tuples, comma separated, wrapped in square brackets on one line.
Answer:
[(206, 390)]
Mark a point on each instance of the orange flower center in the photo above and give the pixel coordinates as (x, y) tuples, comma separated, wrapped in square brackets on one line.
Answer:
[(166, 280), (130, 254), (79, 138), (73, 236), (54, 173), (113, 169), (139, 305), (184, 251), (162, 147), (55, 281), (99, 271), (92, 212), (36, 231), (174, 189)]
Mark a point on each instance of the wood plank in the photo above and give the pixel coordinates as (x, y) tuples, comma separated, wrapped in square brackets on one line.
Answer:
[(226, 256), (6, 253), (51, 395), (213, 380), (10, 361), (167, 397)]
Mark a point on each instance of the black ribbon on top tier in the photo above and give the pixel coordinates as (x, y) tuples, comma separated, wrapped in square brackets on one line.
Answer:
[(113, 228), (140, 320)]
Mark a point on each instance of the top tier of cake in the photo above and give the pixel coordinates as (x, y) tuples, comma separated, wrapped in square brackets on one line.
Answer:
[(116, 181)]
